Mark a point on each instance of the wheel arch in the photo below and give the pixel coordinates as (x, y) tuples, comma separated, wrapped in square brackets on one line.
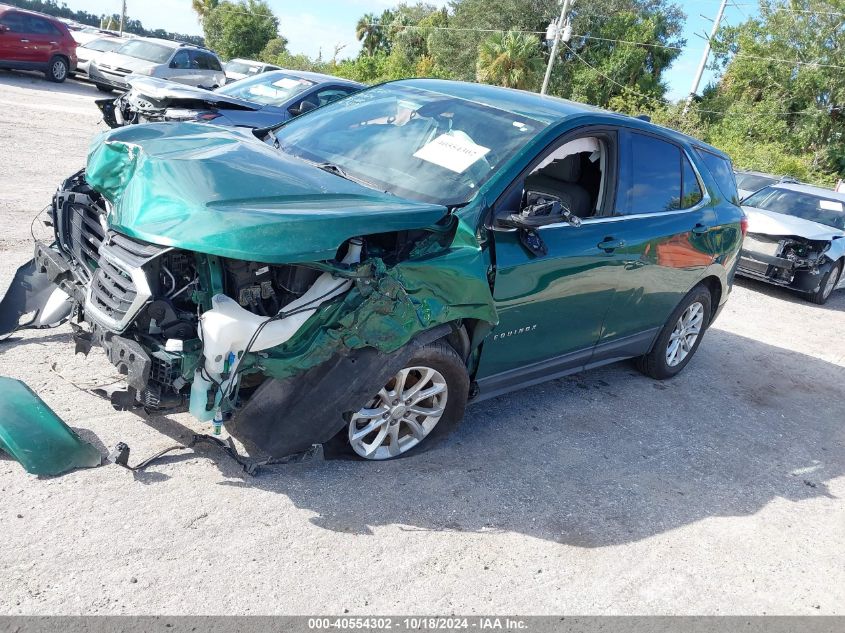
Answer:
[(715, 286)]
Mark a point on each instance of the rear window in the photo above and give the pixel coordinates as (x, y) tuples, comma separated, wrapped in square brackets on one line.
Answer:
[(723, 173), (148, 51), (206, 61), (242, 69)]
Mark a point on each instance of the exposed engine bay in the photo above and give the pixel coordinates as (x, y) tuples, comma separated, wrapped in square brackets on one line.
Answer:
[(785, 260), (188, 328)]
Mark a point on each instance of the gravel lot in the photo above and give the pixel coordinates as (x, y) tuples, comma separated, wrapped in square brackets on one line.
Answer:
[(604, 493)]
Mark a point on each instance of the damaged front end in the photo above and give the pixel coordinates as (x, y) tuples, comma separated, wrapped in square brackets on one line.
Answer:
[(792, 261), (238, 340)]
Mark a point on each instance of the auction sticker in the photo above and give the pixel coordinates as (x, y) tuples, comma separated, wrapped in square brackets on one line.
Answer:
[(454, 153)]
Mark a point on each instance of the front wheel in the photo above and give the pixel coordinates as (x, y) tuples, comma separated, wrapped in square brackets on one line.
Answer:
[(680, 337), (58, 70), (421, 404), (827, 285)]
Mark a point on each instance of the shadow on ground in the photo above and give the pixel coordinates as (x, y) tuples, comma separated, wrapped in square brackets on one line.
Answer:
[(600, 458), (33, 80)]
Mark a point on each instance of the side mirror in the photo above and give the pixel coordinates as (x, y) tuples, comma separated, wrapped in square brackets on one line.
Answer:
[(4, 28), (542, 209), (302, 107), (173, 64)]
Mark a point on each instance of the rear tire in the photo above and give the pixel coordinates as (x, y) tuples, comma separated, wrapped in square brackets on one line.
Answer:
[(397, 422), (58, 70), (827, 285), (680, 337)]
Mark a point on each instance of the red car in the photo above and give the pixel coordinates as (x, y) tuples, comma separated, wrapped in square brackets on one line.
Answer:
[(32, 41)]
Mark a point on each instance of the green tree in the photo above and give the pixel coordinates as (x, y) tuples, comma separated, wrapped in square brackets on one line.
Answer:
[(368, 32), (782, 90), (240, 29), (511, 59), (204, 7)]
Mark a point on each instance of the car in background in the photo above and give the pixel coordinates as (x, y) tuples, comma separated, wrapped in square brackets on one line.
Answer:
[(236, 69), (176, 61), (83, 33), (796, 238), (94, 48), (747, 182), (260, 101), (32, 41)]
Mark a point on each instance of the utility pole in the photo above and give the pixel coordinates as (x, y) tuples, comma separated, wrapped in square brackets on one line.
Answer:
[(698, 73), (122, 17), (556, 41)]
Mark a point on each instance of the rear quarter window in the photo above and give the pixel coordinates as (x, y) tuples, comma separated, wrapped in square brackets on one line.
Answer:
[(722, 171)]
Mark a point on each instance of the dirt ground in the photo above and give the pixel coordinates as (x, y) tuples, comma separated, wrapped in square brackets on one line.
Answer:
[(718, 492)]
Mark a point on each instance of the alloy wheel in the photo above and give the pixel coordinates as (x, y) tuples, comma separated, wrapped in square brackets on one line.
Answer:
[(832, 280), (58, 69), (686, 333), (401, 415)]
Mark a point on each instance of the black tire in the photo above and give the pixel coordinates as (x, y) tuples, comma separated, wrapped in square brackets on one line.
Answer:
[(821, 295), (655, 363), (103, 88), (58, 69), (441, 357)]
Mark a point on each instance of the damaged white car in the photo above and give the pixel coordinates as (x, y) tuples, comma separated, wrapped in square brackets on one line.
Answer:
[(796, 238)]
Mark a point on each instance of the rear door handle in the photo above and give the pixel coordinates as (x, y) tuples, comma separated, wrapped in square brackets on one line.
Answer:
[(700, 229), (610, 244)]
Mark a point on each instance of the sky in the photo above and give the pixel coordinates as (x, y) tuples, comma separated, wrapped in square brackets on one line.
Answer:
[(321, 24)]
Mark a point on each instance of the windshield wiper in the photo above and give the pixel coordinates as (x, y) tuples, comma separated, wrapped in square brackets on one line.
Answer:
[(337, 170)]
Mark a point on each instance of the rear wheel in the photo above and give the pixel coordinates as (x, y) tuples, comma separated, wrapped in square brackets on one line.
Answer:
[(417, 407), (680, 337), (57, 70), (829, 282)]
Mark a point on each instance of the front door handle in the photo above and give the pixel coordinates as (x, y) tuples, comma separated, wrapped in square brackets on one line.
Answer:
[(700, 229), (610, 244), (25, 41)]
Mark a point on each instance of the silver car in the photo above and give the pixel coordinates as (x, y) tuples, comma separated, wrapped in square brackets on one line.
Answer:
[(796, 238), (182, 63), (85, 53), (241, 68)]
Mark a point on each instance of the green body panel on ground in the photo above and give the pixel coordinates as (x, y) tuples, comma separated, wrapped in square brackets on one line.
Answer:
[(35, 436)]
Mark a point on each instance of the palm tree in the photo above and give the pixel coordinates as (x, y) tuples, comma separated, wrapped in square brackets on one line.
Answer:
[(204, 7), (511, 59), (368, 32)]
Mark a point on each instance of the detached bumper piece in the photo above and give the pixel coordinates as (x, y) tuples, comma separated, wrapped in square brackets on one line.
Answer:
[(36, 437)]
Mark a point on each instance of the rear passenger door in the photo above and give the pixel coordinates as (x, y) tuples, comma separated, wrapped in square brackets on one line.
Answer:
[(665, 230), (43, 38)]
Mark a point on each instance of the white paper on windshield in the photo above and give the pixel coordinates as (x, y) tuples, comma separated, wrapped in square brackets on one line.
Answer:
[(831, 205), (454, 153), (287, 83)]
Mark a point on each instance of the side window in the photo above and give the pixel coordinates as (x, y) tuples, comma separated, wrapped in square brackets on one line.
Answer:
[(690, 188), (723, 173), (42, 27), (578, 173), (204, 61), (327, 95), (655, 183), (15, 21), (181, 60)]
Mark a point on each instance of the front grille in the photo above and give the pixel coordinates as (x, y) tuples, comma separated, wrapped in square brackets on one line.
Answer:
[(119, 287), (79, 228)]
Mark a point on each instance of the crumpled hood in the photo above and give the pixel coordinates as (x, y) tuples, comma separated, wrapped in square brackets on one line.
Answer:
[(223, 192), (772, 223), (170, 93)]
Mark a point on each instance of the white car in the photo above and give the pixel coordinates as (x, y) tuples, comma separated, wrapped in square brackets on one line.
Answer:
[(796, 238), (241, 68), (165, 59), (85, 53)]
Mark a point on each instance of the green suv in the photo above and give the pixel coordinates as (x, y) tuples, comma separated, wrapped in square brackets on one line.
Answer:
[(354, 277)]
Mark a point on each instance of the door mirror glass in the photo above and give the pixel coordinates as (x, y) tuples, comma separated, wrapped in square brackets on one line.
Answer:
[(302, 107)]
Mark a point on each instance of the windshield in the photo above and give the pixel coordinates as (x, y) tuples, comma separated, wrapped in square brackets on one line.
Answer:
[(414, 143), (752, 182), (148, 51), (103, 44), (801, 205), (242, 68), (267, 88)]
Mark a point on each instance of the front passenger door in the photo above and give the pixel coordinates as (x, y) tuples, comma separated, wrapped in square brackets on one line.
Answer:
[(551, 307)]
